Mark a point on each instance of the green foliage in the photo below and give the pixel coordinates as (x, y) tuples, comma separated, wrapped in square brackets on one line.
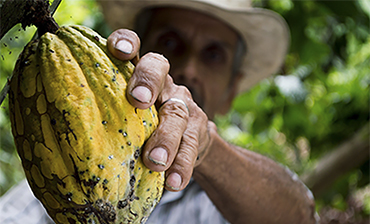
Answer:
[(10, 47), (319, 99)]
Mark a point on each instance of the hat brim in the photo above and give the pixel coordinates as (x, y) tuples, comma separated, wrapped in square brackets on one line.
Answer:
[(265, 32)]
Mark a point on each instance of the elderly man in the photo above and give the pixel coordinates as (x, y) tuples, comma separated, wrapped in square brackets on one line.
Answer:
[(196, 57)]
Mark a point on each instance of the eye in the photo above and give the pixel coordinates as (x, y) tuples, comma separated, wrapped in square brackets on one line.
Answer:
[(214, 54), (170, 44)]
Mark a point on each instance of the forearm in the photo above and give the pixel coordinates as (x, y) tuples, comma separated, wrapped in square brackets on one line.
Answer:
[(249, 188)]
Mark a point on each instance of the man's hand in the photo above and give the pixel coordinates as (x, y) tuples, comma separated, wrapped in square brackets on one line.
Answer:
[(182, 136)]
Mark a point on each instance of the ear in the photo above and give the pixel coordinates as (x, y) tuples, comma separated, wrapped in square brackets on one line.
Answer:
[(231, 93)]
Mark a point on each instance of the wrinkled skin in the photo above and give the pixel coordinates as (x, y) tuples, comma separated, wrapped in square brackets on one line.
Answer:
[(243, 185)]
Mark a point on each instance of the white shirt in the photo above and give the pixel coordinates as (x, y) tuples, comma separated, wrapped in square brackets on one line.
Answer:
[(192, 205)]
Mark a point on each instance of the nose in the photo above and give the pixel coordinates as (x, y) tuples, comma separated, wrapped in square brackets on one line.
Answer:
[(186, 73)]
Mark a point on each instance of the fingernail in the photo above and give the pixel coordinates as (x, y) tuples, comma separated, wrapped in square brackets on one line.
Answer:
[(174, 181), (124, 46), (142, 94), (158, 156)]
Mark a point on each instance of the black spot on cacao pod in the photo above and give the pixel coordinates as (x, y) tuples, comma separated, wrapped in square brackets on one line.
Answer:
[(132, 164), (69, 196), (132, 181), (51, 51), (101, 166), (137, 153), (91, 182), (122, 204)]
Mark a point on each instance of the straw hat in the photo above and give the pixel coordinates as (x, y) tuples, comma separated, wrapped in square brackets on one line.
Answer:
[(265, 33)]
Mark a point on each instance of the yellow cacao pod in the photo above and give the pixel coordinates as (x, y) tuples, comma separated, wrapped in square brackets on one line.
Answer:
[(78, 137)]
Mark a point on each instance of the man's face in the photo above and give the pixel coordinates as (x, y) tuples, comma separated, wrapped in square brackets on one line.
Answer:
[(200, 50)]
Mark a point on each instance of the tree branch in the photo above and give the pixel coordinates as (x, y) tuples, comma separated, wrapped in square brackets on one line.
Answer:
[(27, 12), (349, 155), (11, 13)]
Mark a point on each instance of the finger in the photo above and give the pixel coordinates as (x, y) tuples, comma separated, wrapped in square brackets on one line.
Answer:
[(179, 174), (148, 80), (162, 147), (194, 141), (124, 44)]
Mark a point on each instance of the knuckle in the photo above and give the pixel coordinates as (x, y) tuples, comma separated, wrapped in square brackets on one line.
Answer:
[(187, 159), (192, 143), (174, 110), (158, 58), (184, 91), (153, 66)]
